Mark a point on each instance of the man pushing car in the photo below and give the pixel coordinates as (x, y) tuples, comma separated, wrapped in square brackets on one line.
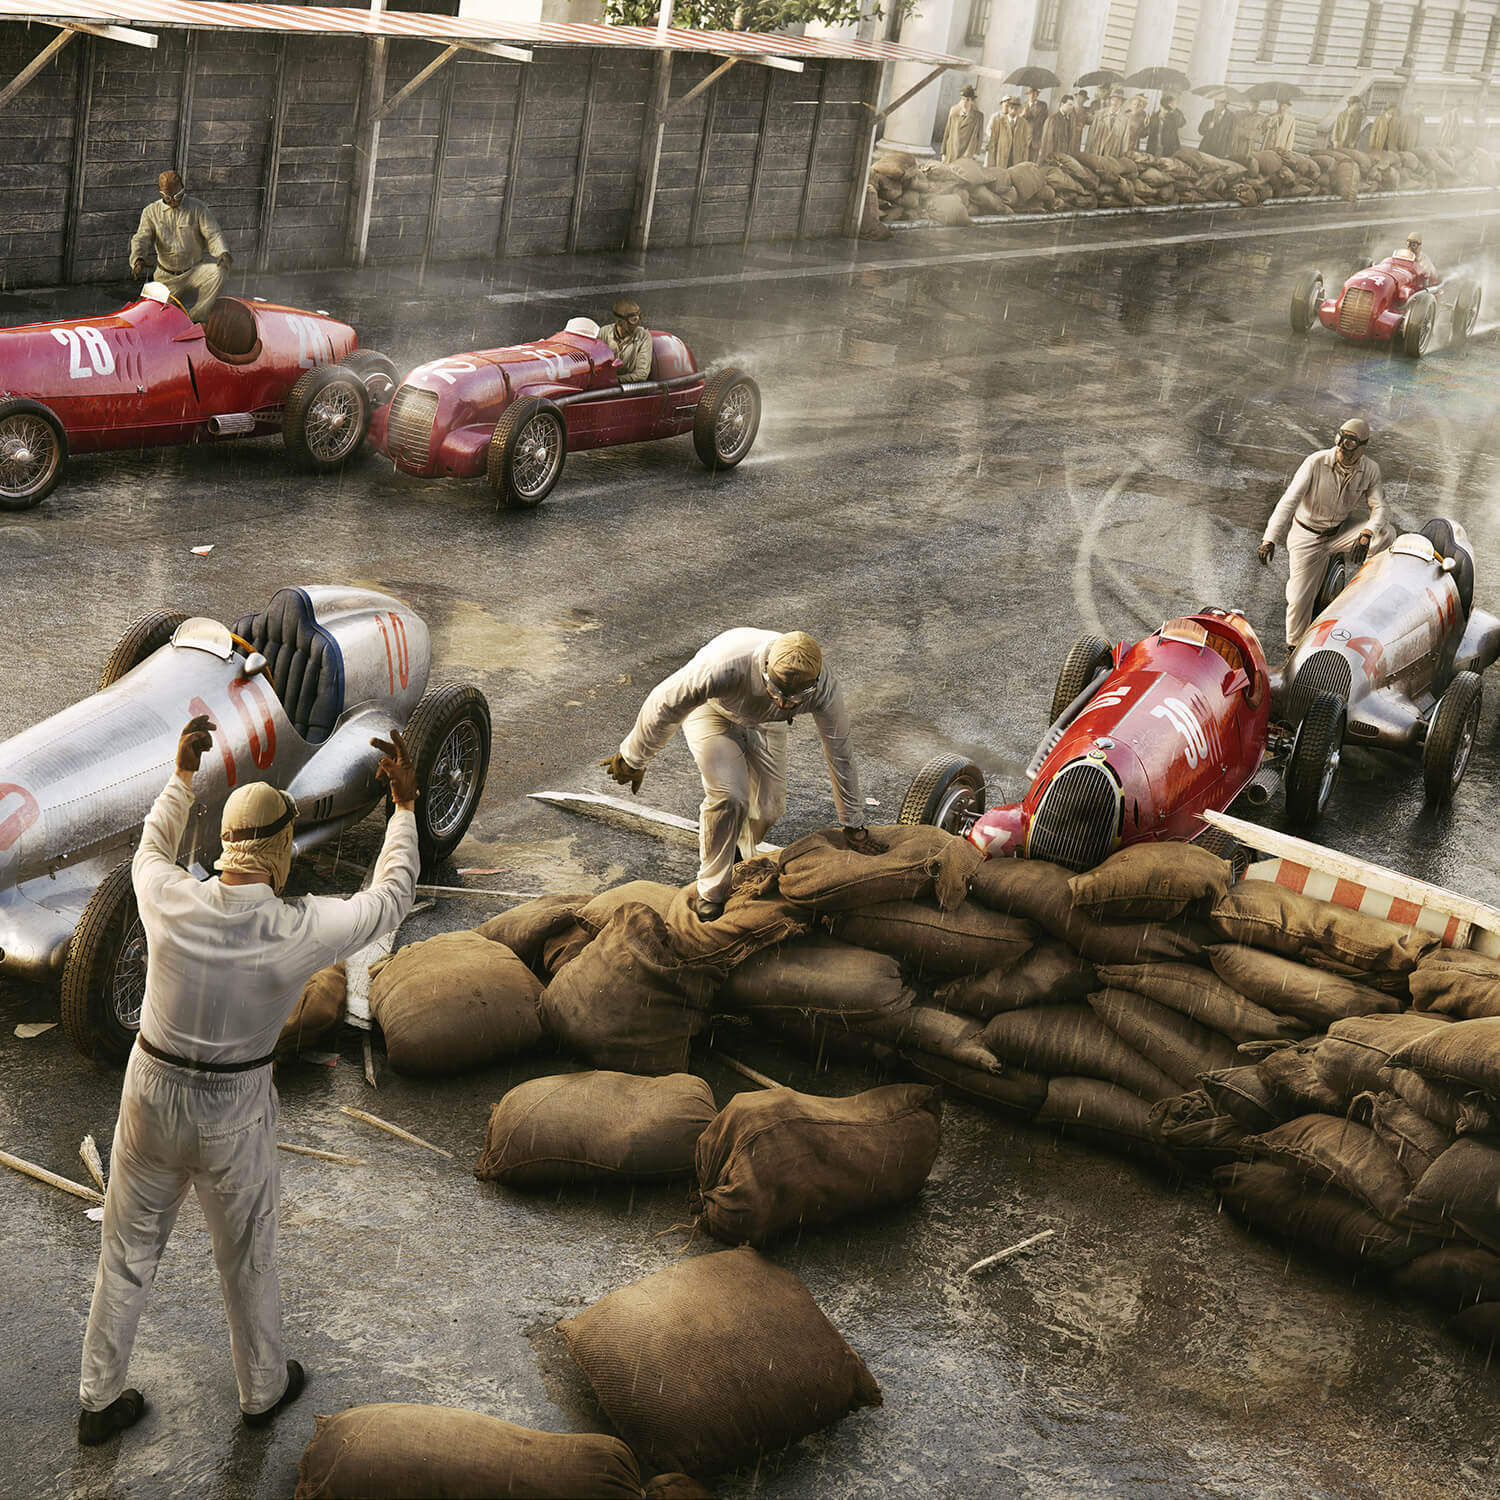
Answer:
[(1320, 515), (735, 700)]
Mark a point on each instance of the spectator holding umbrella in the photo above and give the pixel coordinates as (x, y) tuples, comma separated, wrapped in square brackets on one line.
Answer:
[(1020, 135), (1107, 133), (1216, 129), (1281, 128), (1164, 134), (1136, 123), (1036, 116), (1057, 132)]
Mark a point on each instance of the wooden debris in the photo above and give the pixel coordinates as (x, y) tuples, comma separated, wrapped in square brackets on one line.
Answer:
[(41, 1174), (999, 1255), (90, 1154), (370, 1062), (745, 1071), (348, 1161), (396, 1130)]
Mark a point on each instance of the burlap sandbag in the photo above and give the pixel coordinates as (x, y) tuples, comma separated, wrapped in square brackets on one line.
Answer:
[(525, 929), (1051, 974), (1094, 1110), (947, 208), (454, 1001), (823, 873), (1457, 982), (925, 1028), (1351, 1056), (675, 1487), (776, 1160), (562, 947), (1028, 179), (1292, 1077), (1245, 1096), (1454, 1277), (817, 973), (1414, 1140), (1198, 994), (597, 910), (714, 1360), (754, 917), (1014, 1091), (932, 941), (1293, 989), (1273, 1197), (1461, 1189), (1266, 915), (595, 1127), (1150, 882), (1454, 1110), (1334, 1152), (627, 1001), (394, 1451), (1071, 1041), (319, 1009), (1167, 1039), (1464, 1054), (1191, 1128)]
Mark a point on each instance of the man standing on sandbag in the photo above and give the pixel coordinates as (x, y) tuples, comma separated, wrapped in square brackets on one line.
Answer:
[(965, 128), (227, 961), (1313, 519), (735, 700)]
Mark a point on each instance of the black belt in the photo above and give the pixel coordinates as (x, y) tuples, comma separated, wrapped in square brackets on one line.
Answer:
[(1331, 530), (201, 1067)]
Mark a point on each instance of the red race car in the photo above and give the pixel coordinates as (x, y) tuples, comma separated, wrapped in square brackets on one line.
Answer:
[(1143, 741), (1389, 299), (148, 376), (513, 414)]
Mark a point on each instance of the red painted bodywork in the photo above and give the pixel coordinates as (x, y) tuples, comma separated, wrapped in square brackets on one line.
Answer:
[(145, 376), (1390, 283), (1181, 727), (473, 390)]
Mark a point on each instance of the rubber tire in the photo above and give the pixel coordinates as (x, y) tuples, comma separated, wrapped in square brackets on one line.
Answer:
[(931, 784), (1086, 656), (1465, 313), (1335, 580), (1410, 332), (88, 1018), (1440, 533), (1302, 294), (1463, 700), (15, 404), (1218, 841), (502, 455), (143, 635), (433, 720), (1320, 737), (378, 373), (294, 420), (706, 420)]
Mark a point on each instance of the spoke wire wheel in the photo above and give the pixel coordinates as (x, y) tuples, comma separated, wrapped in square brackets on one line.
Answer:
[(30, 457), (454, 783), (334, 425), (1429, 322), (127, 984), (734, 430), (957, 809), (1465, 744), (538, 457)]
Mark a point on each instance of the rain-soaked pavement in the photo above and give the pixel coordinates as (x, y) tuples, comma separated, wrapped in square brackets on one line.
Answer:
[(975, 446)]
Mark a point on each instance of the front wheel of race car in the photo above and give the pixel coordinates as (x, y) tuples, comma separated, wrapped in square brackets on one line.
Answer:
[(378, 373), (947, 793), (527, 449), (1417, 324), (33, 453), (1315, 759), (326, 419), (143, 636), (1451, 736), (1465, 314), (448, 736), (1087, 657), (104, 977), (1307, 298), (727, 420)]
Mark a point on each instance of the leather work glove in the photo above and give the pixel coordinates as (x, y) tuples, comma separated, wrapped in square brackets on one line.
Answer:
[(1266, 553), (625, 773), (396, 770), (862, 841), (137, 270), (225, 261), (1365, 538), (194, 742)]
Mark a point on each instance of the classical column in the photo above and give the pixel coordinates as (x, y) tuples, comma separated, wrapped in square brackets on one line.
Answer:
[(1151, 35), (1080, 43), (912, 127), (1209, 62), (1007, 46)]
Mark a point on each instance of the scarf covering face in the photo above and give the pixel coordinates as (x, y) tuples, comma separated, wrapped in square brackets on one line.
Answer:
[(256, 832)]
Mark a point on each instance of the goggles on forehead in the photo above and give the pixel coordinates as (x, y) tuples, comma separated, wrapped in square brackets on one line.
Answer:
[(1348, 440), (264, 830), (784, 695)]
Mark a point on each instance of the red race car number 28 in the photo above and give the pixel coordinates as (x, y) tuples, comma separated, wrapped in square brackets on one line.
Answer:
[(89, 343)]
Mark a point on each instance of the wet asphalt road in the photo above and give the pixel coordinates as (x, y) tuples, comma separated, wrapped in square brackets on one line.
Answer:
[(974, 447)]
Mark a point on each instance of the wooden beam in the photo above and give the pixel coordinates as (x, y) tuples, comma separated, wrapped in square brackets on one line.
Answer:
[(649, 168), (676, 106), (413, 84), (760, 158), (83, 104), (812, 152), (915, 89), (271, 171), (783, 64), (439, 156), (864, 156), (705, 147), (185, 104), (127, 34), (367, 150), (513, 168), (581, 165), (490, 49), (35, 66)]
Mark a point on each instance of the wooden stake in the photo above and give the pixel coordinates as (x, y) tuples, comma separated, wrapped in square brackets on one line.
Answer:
[(41, 1174), (995, 1259), (745, 1071), (370, 1062), (90, 1154), (348, 1161), (396, 1130)]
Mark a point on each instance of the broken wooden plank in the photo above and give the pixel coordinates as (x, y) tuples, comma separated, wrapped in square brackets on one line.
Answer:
[(1010, 1250), (90, 1154), (396, 1130), (348, 1161), (41, 1174)]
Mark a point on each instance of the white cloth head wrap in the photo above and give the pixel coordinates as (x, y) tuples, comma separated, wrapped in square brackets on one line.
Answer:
[(256, 832)]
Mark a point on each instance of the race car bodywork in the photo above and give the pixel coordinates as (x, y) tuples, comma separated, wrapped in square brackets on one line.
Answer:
[(148, 376), (514, 413), (1389, 299), (296, 691), (1401, 648), (1144, 739)]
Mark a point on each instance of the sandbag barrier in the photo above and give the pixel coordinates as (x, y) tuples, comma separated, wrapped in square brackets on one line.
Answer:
[(902, 191)]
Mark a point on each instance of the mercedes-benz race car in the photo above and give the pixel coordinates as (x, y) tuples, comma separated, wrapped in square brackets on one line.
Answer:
[(1393, 661), (1143, 741), (513, 414), (1388, 299), (297, 691), (148, 376)]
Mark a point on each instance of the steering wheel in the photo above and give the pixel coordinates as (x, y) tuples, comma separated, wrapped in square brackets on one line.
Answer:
[(264, 670)]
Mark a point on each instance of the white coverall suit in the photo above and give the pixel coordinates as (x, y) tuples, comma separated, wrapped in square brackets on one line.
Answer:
[(226, 965), (179, 238), (738, 736), (1313, 521)]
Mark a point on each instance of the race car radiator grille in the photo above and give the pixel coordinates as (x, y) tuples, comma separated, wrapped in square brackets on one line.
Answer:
[(1078, 819), (409, 427), (1322, 672), (1355, 311)]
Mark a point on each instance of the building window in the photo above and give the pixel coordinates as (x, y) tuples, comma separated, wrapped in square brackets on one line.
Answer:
[(1367, 41), (979, 22), (1267, 49), (1490, 42), (1320, 32), (1455, 41), (1413, 39), (1048, 17)]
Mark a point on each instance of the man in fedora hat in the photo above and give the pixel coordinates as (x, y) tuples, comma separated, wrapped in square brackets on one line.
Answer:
[(965, 128), (1350, 121)]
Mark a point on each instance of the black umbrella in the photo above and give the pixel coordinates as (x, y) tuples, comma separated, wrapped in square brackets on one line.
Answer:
[(1282, 93), (1035, 78), (1100, 77), (1220, 91), (1159, 78)]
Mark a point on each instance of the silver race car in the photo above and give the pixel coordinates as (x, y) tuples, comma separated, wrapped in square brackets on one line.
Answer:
[(297, 691), (1393, 661)]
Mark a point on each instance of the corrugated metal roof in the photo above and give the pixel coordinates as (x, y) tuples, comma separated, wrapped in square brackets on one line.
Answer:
[(344, 21)]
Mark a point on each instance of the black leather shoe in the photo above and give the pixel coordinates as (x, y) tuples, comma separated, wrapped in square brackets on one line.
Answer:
[(706, 911), (95, 1427), (296, 1378)]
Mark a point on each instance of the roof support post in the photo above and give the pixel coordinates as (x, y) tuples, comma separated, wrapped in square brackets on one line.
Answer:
[(185, 103), (83, 105), (581, 166), (760, 160), (649, 167), (439, 157), (812, 152), (705, 145), (35, 66), (854, 214), (409, 88), (272, 171), (513, 162), (367, 145), (915, 89), (677, 105)]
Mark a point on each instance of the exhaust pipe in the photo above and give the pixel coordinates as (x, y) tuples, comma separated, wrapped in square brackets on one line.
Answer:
[(231, 424), (1263, 786)]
